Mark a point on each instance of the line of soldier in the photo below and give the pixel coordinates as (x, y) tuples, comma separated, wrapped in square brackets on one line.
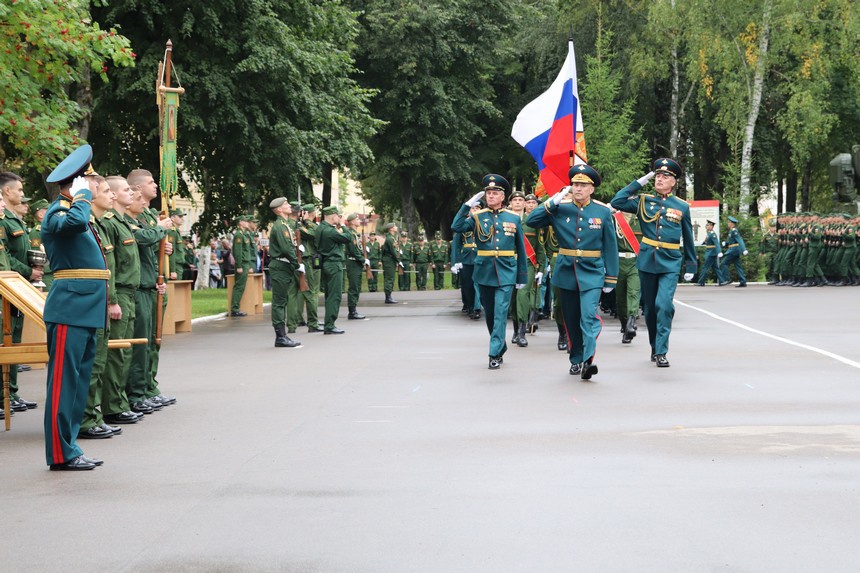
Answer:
[(423, 256), (810, 249), (99, 235), (720, 261)]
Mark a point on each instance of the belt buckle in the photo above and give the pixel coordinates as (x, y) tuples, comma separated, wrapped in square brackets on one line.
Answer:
[(577, 252)]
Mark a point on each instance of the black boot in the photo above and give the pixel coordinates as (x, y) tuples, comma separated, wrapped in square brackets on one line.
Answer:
[(388, 299), (589, 369), (629, 330), (562, 337), (353, 314), (522, 343), (516, 338), (284, 341)]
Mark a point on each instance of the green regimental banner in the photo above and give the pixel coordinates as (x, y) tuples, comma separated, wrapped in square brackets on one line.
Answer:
[(167, 149)]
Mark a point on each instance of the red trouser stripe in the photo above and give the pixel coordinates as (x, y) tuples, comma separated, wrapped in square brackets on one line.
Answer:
[(59, 356)]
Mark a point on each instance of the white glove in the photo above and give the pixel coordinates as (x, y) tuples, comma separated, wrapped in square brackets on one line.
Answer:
[(455, 269), (688, 277), (367, 262), (301, 268), (723, 243), (556, 199), (719, 255), (367, 249), (79, 184), (548, 269), (643, 181), (746, 252), (475, 199), (608, 289), (520, 286), (538, 277), (302, 248), (458, 265), (401, 265)]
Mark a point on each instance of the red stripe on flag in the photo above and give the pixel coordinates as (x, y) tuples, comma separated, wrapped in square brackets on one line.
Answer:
[(59, 356)]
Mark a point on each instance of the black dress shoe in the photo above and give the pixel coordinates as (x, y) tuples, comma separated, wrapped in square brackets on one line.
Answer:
[(238, 313), (653, 357), (495, 362), (333, 331), (30, 405), (94, 461), (166, 400), (77, 464), (17, 406), (155, 403), (744, 285), (476, 315), (575, 369), (661, 360), (302, 323), (314, 329), (589, 369), (562, 342), (286, 342), (355, 316), (122, 418), (95, 433), (724, 283), (142, 407), (24, 368), (115, 430)]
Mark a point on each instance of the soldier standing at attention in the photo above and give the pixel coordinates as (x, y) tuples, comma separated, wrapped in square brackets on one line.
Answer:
[(587, 262), (374, 255), (664, 219), (331, 242), (309, 299), (421, 253), (174, 236), (438, 258), (500, 265), (713, 253), (355, 261), (390, 260), (281, 268), (17, 242), (735, 247), (75, 308), (407, 257), (240, 255)]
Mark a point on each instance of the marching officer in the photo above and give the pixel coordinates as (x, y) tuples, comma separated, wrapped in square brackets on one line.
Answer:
[(587, 261), (735, 247), (664, 219), (500, 264)]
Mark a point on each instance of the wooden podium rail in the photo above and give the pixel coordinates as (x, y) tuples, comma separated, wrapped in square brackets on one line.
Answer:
[(18, 292)]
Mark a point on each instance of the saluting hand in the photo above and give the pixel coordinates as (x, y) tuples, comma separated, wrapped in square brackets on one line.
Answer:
[(475, 199), (643, 181), (556, 199), (608, 289), (688, 277)]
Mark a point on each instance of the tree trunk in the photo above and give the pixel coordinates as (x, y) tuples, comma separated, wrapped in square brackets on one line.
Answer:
[(755, 105), (779, 187), (84, 98), (791, 193), (407, 205), (804, 190), (327, 169)]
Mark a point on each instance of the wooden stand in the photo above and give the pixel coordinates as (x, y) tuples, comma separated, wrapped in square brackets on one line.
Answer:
[(177, 316), (252, 298)]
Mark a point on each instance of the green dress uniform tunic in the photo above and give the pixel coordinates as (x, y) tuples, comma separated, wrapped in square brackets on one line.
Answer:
[(354, 268), (587, 262), (331, 241), (390, 260), (75, 308), (93, 410), (712, 254), (17, 243), (281, 268), (241, 248), (310, 298), (734, 250), (374, 255), (438, 256), (36, 243), (663, 220), (422, 263), (148, 219), (177, 257), (500, 264), (126, 282)]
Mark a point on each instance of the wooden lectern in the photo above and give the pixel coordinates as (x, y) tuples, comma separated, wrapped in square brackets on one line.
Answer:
[(18, 292)]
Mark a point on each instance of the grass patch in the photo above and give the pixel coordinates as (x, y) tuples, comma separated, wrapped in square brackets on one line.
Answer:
[(211, 301)]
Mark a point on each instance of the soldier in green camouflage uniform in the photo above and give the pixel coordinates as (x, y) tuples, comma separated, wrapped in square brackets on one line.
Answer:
[(331, 242), (174, 235), (438, 258), (374, 255), (309, 299), (241, 254), (355, 262), (421, 254), (390, 260), (407, 257), (282, 268)]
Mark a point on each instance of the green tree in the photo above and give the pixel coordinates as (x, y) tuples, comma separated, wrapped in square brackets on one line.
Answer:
[(48, 50), (269, 101)]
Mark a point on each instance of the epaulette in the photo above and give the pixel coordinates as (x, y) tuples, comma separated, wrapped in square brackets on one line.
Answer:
[(65, 204), (108, 215), (484, 210), (511, 212), (600, 203)]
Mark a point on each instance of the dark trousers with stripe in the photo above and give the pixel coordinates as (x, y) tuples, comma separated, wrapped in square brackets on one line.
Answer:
[(658, 294), (71, 352), (467, 287)]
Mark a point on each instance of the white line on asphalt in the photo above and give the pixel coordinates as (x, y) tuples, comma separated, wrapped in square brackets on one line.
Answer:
[(372, 421), (841, 359)]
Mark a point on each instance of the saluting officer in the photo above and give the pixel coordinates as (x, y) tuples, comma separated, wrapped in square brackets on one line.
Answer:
[(587, 262), (664, 219), (500, 264)]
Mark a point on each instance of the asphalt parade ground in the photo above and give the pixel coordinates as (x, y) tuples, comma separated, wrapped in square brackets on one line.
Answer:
[(392, 448)]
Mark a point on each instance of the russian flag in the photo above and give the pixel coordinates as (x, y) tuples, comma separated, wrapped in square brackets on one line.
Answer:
[(550, 127)]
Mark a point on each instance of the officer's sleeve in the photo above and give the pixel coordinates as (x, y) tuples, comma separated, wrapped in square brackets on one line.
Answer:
[(462, 221), (689, 242), (624, 200), (610, 252), (147, 236), (541, 216), (72, 220), (456, 246), (741, 243)]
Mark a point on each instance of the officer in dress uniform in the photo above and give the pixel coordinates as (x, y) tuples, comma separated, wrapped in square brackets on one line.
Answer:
[(309, 299), (438, 258), (735, 247), (713, 253), (463, 252), (587, 262), (500, 264), (524, 299), (281, 269), (664, 219), (75, 308)]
